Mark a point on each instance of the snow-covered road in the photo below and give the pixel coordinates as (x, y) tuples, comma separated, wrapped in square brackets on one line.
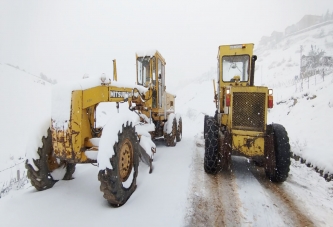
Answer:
[(179, 193), (244, 196), (159, 199)]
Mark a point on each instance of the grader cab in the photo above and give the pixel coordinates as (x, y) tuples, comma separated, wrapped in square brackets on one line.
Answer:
[(116, 147), (157, 104), (239, 126)]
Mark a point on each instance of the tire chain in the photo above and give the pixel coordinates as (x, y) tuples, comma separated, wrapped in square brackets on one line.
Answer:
[(212, 156)]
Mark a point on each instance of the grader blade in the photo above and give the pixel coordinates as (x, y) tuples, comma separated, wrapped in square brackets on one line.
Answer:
[(145, 158)]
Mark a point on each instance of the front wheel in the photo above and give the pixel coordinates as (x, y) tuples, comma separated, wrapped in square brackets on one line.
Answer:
[(119, 183), (212, 157)]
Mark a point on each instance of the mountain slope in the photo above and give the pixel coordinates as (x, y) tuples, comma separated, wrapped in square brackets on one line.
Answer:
[(24, 119)]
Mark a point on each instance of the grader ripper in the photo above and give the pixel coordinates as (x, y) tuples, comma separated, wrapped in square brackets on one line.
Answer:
[(239, 125), (77, 139)]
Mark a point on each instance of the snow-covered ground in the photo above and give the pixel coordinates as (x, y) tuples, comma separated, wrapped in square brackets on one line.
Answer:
[(302, 106), (164, 197)]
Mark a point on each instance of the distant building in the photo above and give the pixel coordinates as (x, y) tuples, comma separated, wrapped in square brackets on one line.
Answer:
[(276, 36), (305, 22), (290, 29), (264, 40)]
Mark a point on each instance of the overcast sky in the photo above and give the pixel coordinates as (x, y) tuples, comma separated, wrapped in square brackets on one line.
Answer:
[(66, 39)]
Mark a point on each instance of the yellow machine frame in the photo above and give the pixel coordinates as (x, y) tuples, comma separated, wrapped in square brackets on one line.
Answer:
[(71, 143), (245, 142)]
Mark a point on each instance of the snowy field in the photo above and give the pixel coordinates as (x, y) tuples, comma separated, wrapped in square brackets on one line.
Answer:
[(164, 197)]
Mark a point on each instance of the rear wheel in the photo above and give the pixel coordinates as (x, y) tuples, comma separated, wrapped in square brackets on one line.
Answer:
[(212, 157), (179, 134), (41, 177), (119, 183), (170, 138), (277, 154)]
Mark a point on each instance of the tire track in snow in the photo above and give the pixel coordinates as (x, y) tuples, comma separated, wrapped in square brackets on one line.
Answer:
[(292, 214), (256, 205), (242, 197), (212, 199)]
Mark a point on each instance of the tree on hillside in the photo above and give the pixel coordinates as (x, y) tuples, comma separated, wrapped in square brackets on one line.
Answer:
[(44, 77), (315, 55), (327, 16)]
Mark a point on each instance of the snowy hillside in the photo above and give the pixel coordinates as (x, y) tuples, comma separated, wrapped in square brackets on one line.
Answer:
[(303, 106), (24, 119)]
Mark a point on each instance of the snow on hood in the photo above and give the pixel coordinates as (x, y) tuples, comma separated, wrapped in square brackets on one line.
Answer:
[(145, 53)]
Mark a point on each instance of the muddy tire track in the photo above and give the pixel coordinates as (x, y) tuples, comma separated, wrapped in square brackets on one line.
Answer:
[(289, 210), (212, 198)]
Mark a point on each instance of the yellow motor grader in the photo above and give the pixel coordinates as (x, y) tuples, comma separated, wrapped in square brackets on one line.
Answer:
[(239, 124), (117, 147)]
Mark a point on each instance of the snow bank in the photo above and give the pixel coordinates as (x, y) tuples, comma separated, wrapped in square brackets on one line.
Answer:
[(25, 119)]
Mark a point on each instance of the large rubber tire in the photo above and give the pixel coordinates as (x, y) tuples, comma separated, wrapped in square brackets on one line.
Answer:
[(170, 139), (179, 134), (41, 179), (212, 156), (118, 184), (281, 154)]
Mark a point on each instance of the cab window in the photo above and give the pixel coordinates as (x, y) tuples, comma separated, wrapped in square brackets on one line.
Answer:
[(233, 66)]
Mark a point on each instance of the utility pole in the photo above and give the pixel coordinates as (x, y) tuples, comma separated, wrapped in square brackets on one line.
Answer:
[(300, 67), (261, 75)]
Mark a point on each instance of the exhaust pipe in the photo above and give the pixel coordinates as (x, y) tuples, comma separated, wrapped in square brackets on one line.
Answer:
[(253, 62)]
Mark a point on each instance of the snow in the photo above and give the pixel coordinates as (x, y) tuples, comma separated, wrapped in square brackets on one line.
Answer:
[(169, 123), (161, 198), (61, 104), (110, 136), (91, 154), (140, 88), (146, 53), (59, 173)]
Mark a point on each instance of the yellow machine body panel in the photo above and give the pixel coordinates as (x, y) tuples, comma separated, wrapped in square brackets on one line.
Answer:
[(251, 146), (70, 143)]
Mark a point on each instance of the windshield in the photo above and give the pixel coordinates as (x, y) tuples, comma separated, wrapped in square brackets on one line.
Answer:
[(143, 70), (236, 65)]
